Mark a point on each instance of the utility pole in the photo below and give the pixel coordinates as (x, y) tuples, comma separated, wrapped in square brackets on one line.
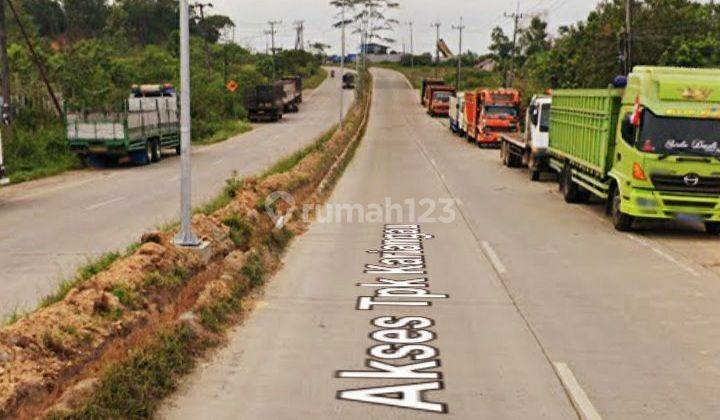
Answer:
[(300, 35), (412, 45), (186, 237), (201, 7), (628, 36), (272, 33), (459, 57), (342, 69), (437, 25), (509, 79)]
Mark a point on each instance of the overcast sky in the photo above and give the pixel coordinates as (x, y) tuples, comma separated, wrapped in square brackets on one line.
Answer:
[(480, 17)]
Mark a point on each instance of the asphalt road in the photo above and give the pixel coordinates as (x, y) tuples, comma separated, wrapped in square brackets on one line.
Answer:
[(50, 227), (550, 314)]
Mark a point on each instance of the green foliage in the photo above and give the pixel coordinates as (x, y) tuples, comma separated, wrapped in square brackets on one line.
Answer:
[(84, 273), (254, 270), (240, 231)]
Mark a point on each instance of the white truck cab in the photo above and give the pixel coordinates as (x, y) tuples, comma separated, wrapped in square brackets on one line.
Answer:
[(457, 114), (537, 124)]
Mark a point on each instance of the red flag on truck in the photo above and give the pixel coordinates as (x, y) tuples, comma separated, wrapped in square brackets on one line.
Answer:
[(637, 114)]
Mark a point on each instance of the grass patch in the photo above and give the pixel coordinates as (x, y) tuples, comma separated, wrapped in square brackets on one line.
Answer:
[(127, 297), (232, 185), (316, 79), (227, 129), (84, 274), (254, 270), (135, 388), (170, 280), (240, 231)]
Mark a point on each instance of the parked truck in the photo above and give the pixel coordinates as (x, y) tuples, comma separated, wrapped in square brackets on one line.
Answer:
[(498, 112), (426, 84), (265, 102), (437, 98), (147, 124), (457, 114), (471, 113), (650, 147), (530, 148), (292, 93)]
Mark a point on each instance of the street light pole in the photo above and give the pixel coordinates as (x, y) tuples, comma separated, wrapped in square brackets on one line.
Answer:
[(459, 63), (342, 70), (186, 237)]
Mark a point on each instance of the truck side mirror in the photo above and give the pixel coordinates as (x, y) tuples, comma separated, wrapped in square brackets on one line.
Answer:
[(628, 129)]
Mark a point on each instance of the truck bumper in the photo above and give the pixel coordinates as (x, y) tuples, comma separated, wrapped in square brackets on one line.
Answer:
[(652, 204), (488, 138)]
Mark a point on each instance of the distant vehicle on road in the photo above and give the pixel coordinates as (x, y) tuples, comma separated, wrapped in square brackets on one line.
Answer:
[(530, 148), (292, 86), (498, 111), (148, 124), (437, 98), (457, 114), (348, 81), (650, 149)]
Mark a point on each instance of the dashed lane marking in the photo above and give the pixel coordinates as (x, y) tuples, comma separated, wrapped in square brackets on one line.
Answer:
[(663, 254), (577, 394), (103, 204), (494, 259)]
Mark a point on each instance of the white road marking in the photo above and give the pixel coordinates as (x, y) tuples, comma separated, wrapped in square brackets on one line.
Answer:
[(665, 255), (494, 259), (577, 394), (103, 204)]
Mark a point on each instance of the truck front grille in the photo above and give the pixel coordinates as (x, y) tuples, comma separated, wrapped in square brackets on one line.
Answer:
[(677, 183)]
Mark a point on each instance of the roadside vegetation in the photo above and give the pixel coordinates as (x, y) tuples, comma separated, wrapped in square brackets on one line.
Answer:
[(116, 340), (95, 50)]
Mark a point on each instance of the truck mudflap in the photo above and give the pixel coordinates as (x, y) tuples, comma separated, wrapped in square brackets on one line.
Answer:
[(653, 204)]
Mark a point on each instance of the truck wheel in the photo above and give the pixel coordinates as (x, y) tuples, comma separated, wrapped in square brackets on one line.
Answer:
[(712, 228), (156, 151), (568, 188), (147, 157), (621, 221), (178, 150), (533, 168)]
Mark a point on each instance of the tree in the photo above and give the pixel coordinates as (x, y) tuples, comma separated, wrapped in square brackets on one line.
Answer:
[(86, 18), (534, 39), (48, 16)]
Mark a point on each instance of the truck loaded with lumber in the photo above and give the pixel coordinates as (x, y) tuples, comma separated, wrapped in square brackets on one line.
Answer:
[(270, 101), (649, 146), (529, 148), (147, 124)]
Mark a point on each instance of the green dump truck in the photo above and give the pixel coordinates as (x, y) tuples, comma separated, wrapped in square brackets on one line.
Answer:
[(649, 146), (147, 124)]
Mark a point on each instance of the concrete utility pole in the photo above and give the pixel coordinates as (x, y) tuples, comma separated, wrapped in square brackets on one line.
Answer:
[(460, 29), (628, 36), (509, 79), (300, 35), (185, 237), (412, 45), (437, 25), (342, 68), (272, 33)]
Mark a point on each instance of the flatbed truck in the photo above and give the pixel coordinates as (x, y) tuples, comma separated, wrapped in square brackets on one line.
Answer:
[(649, 146), (148, 124), (530, 147)]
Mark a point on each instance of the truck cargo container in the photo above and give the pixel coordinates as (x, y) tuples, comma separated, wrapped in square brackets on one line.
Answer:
[(498, 112), (147, 124), (426, 84), (292, 90), (265, 102), (471, 113), (457, 111), (530, 148), (438, 100), (297, 92), (651, 149)]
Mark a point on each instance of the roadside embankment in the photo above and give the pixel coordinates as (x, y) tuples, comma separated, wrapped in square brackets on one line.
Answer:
[(117, 342)]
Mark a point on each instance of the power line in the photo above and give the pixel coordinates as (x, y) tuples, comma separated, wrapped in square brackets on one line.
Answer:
[(460, 29), (515, 16), (272, 32), (437, 26)]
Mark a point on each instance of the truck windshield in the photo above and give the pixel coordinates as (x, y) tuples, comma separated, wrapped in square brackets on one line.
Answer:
[(442, 96), (545, 118), (501, 110), (679, 136)]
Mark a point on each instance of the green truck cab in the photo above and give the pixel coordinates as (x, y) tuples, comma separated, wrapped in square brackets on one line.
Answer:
[(650, 149), (147, 124)]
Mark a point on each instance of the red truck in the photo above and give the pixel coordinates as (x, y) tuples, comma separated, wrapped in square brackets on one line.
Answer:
[(498, 111), (472, 98), (426, 84), (437, 99)]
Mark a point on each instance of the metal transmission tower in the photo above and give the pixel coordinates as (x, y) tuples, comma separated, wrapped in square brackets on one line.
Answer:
[(516, 16), (437, 26), (300, 35), (460, 30), (272, 32)]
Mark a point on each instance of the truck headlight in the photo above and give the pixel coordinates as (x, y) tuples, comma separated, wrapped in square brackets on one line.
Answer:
[(647, 203)]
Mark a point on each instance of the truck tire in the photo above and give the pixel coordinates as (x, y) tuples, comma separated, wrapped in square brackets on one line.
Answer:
[(712, 228), (621, 221), (178, 150), (533, 168), (568, 188), (534, 174), (156, 151)]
